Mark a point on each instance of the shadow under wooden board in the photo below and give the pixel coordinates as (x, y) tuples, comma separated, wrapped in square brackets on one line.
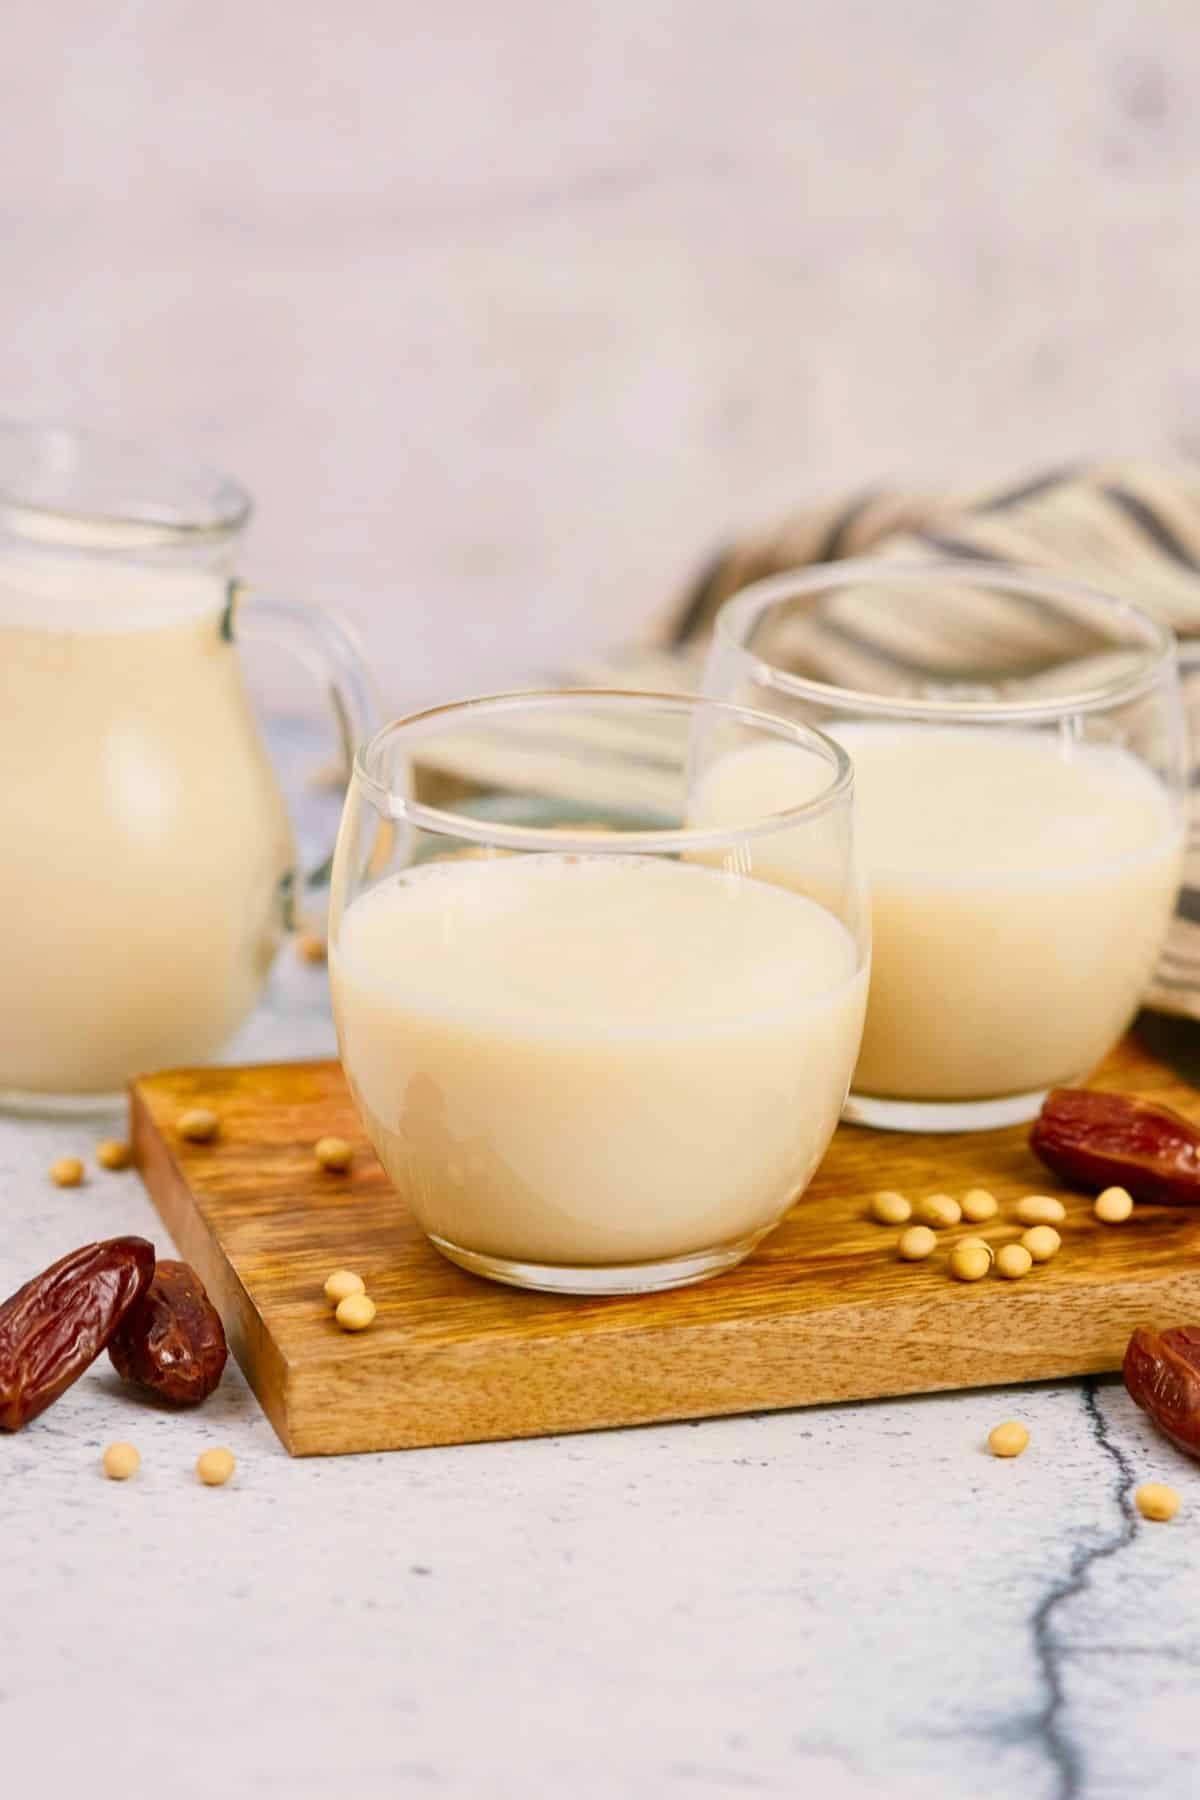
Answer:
[(823, 1311)]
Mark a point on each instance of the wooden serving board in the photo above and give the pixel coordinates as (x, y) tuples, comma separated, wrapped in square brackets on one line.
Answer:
[(823, 1311)]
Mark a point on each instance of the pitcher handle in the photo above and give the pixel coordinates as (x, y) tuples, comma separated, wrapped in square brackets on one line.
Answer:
[(329, 649)]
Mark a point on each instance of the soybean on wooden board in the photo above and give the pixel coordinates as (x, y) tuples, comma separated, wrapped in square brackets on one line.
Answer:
[(823, 1311)]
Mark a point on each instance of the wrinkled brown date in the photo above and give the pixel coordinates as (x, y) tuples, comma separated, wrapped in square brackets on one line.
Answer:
[(1162, 1373), (172, 1342), (1094, 1141), (55, 1326)]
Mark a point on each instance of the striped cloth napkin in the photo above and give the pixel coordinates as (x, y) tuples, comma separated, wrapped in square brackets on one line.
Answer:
[(1131, 529)]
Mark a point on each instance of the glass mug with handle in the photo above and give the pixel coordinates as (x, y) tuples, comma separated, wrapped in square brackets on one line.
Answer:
[(149, 864), (1021, 769)]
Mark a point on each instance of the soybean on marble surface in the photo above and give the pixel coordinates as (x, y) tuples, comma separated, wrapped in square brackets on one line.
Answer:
[(823, 1311)]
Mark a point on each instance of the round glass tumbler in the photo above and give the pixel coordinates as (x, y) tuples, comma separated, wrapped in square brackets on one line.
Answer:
[(1020, 763), (593, 1048)]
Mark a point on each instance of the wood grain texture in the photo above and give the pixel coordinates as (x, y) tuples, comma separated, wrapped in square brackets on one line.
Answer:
[(823, 1311)]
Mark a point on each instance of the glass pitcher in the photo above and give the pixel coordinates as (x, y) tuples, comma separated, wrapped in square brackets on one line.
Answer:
[(147, 858)]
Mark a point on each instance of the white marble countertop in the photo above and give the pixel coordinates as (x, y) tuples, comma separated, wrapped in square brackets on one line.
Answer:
[(849, 1601)]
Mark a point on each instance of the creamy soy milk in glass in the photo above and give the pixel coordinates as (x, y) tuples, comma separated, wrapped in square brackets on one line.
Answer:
[(1022, 837), (1011, 942), (566, 1088), (594, 1058), (147, 855)]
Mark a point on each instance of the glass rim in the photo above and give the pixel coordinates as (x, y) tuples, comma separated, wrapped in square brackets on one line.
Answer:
[(227, 510), (755, 600), (446, 822)]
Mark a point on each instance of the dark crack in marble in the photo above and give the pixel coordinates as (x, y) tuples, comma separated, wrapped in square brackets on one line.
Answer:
[(1048, 1726)]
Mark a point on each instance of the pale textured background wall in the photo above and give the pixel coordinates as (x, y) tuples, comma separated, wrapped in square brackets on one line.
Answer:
[(506, 312)]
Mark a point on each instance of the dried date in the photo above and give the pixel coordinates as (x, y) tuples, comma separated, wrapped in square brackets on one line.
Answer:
[(1162, 1373), (1093, 1141), (173, 1341), (55, 1327)]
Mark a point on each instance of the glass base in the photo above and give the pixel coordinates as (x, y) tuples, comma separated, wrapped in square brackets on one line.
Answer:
[(943, 1115), (601, 1279), (61, 1106)]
